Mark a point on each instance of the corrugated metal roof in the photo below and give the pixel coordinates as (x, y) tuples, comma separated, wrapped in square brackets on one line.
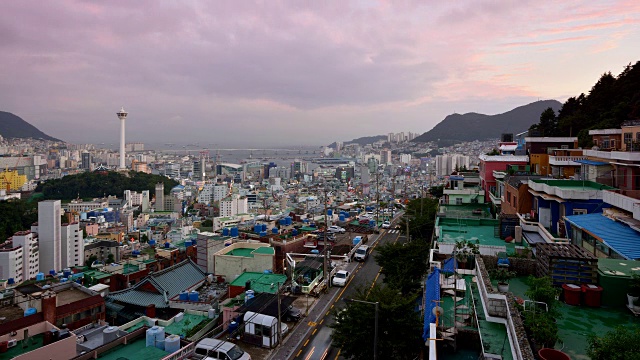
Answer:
[(169, 282), (619, 237), (591, 162)]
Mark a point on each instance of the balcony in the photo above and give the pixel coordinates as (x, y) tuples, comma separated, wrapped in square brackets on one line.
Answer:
[(565, 160), (614, 155), (569, 189), (628, 200), (534, 226)]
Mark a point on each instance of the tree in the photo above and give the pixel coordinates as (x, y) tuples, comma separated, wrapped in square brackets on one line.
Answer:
[(144, 238), (548, 125), (90, 260), (399, 325), (437, 191), (207, 223), (404, 265), (493, 152), (110, 258), (618, 344)]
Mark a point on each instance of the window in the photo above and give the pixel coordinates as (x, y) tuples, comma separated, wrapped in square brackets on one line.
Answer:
[(564, 146), (509, 197), (605, 143), (579, 211), (627, 138), (613, 143), (458, 201), (515, 202), (201, 351)]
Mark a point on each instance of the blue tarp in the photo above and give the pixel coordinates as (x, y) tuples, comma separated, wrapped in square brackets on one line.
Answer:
[(619, 237), (450, 266), (432, 296)]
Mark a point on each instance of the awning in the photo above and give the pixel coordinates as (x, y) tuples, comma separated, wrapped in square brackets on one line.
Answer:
[(591, 162)]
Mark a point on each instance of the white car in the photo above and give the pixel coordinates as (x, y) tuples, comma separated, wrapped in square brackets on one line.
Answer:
[(336, 229), (386, 225), (340, 278)]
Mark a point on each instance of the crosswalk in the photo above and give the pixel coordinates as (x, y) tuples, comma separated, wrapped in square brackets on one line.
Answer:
[(394, 231)]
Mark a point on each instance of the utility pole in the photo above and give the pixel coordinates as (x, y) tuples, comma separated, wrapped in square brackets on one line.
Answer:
[(377, 197), (406, 213), (279, 317)]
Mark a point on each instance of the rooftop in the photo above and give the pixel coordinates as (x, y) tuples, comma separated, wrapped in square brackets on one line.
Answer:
[(70, 296), (619, 237), (572, 184), (135, 350), (33, 343), (260, 282)]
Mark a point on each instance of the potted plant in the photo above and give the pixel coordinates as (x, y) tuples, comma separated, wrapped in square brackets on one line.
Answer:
[(634, 290), (542, 290), (502, 276), (465, 250), (542, 328)]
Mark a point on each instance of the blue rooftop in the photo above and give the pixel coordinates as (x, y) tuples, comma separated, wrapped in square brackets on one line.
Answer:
[(591, 162), (619, 237)]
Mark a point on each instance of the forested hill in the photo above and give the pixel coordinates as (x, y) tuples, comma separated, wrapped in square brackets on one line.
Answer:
[(98, 184), (363, 140), (474, 126), (13, 126), (609, 103)]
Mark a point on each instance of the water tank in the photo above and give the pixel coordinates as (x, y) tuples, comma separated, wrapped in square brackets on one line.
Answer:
[(330, 212), (248, 295), (40, 276), (109, 334), (11, 281), (341, 218), (53, 272), (64, 280), (184, 296), (225, 232), (178, 318), (167, 245), (136, 252), (264, 227), (257, 228), (267, 271), (315, 251), (234, 232), (194, 296), (356, 240), (263, 233), (211, 313), (30, 311), (152, 243), (172, 343), (282, 222), (187, 243), (154, 335), (274, 230), (210, 278), (289, 220), (66, 272), (294, 232)]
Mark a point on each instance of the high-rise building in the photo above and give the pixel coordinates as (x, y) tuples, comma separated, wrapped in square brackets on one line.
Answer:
[(447, 163), (233, 205), (49, 235), (159, 197), (72, 245), (11, 263), (385, 157), (30, 252), (86, 160), (198, 169)]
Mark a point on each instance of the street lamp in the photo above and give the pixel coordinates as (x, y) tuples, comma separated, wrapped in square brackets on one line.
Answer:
[(375, 334)]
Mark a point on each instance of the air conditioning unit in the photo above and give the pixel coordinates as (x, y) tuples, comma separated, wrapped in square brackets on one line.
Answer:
[(11, 343)]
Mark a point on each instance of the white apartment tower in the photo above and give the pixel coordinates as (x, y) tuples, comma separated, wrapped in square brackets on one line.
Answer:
[(11, 263), (122, 115), (30, 253), (49, 235), (233, 205), (72, 248)]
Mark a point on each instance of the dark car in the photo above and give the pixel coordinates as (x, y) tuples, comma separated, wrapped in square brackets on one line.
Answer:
[(293, 314)]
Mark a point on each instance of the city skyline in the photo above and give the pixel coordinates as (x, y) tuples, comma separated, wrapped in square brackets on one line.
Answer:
[(262, 74)]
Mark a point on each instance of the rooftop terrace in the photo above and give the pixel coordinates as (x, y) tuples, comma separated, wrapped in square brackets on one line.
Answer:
[(135, 350), (33, 343)]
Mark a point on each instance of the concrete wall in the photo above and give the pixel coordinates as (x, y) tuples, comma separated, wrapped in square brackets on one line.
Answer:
[(231, 266), (60, 350)]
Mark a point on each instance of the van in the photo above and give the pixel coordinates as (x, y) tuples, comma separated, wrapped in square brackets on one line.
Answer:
[(214, 349), (362, 253)]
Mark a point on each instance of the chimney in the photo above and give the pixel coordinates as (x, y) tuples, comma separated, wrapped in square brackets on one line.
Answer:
[(49, 306)]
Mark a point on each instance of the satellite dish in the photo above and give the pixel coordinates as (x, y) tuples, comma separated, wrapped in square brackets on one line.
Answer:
[(437, 311)]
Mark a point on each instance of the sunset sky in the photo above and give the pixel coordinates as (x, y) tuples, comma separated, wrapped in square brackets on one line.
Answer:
[(278, 73)]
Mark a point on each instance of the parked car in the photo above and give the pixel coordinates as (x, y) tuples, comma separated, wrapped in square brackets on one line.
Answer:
[(336, 229), (364, 221), (293, 314), (330, 237), (209, 348), (340, 278), (386, 225)]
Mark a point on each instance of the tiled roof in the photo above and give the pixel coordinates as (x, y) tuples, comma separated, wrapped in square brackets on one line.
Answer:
[(169, 282)]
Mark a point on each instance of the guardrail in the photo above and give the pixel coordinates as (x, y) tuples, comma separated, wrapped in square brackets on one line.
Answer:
[(183, 353)]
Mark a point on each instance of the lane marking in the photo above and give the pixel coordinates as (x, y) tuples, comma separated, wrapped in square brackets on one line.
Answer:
[(299, 352), (338, 355), (312, 323), (306, 342), (311, 353), (314, 331), (321, 321)]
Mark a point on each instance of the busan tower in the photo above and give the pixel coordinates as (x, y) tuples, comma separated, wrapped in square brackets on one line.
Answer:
[(122, 115)]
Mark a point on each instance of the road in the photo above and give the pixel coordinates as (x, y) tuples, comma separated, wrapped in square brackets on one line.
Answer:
[(318, 345)]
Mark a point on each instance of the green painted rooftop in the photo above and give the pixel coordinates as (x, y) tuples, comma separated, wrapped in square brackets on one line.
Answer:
[(481, 231), (574, 184), (96, 274), (188, 322), (618, 267), (134, 350), (250, 252), (33, 343), (260, 282)]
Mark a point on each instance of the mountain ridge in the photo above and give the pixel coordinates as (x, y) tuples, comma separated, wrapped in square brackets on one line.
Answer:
[(13, 126), (475, 126)]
